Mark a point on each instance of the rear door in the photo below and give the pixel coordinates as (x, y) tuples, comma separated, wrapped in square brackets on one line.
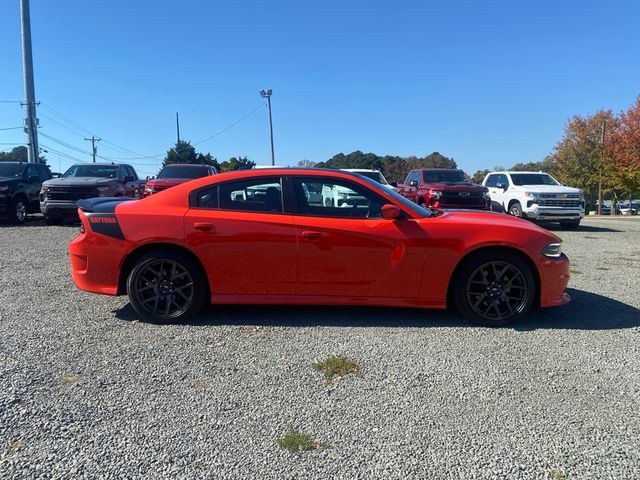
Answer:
[(247, 243), (350, 250)]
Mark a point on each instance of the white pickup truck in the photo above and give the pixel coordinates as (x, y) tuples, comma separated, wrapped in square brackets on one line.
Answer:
[(536, 196)]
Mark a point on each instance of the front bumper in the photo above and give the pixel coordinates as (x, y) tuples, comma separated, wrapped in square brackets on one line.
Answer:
[(554, 214), (59, 209), (554, 278)]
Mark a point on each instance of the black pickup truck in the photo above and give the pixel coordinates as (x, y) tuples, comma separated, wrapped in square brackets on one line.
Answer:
[(58, 196), (20, 184)]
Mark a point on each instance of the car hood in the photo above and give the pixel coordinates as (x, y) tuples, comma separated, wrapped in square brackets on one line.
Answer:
[(457, 187), (77, 181), (479, 218), (549, 189)]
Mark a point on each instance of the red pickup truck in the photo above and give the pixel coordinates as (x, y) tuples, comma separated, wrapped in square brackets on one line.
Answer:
[(444, 188)]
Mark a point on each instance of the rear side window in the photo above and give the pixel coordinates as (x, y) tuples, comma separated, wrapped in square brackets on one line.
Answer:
[(255, 195), (207, 198)]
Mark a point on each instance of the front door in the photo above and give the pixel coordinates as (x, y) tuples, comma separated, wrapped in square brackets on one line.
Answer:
[(240, 232), (349, 250)]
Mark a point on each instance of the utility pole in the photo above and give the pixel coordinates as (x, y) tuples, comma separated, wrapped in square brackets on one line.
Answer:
[(178, 126), (604, 122), (267, 94), (31, 121), (94, 149)]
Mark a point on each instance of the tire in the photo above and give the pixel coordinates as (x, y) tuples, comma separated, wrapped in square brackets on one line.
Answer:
[(165, 287), (52, 221), (19, 211), (328, 202), (515, 209), (570, 225), (494, 289), (421, 202)]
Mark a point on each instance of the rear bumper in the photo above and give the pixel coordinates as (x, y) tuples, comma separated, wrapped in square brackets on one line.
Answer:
[(95, 262), (554, 213), (554, 278)]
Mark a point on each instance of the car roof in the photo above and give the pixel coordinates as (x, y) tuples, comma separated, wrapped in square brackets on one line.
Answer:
[(188, 165), (356, 170), (517, 171)]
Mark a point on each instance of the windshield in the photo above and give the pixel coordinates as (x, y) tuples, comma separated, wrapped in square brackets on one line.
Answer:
[(444, 177), (101, 171), (177, 171), (377, 176), (533, 179), (11, 169), (414, 207)]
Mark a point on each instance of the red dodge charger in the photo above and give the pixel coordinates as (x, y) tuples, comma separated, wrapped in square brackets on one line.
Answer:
[(269, 237)]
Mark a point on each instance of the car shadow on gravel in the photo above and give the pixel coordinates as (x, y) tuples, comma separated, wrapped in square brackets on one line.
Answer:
[(586, 311), (555, 227)]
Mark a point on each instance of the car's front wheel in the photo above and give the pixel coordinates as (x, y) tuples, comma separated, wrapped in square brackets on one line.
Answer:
[(515, 209), (494, 289), (18, 210), (165, 286)]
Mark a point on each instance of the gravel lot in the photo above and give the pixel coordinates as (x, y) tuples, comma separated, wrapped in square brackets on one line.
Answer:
[(87, 391)]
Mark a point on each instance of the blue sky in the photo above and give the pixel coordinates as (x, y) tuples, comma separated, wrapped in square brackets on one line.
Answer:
[(488, 82)]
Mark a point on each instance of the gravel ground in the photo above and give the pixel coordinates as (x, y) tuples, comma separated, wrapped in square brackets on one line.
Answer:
[(88, 391)]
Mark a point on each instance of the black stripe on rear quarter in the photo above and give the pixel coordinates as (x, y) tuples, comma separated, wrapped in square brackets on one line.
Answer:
[(105, 224)]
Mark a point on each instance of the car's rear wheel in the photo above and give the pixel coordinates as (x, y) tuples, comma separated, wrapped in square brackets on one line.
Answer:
[(515, 209), (166, 287), (494, 289)]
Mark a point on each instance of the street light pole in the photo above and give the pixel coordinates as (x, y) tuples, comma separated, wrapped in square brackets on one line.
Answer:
[(267, 94)]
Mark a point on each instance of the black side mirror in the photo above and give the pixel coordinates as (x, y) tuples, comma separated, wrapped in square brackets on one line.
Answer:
[(33, 178), (128, 178)]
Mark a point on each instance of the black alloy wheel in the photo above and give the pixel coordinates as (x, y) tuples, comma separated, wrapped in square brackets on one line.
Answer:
[(495, 289), (166, 287)]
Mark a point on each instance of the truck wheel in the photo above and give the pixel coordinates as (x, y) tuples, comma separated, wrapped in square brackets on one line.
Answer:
[(328, 202), (18, 211), (165, 286), (493, 289), (515, 209), (421, 202), (570, 225)]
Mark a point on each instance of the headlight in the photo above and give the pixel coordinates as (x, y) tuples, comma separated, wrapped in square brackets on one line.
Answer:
[(4, 188), (486, 195), (533, 195), (436, 193), (103, 191), (553, 250), (343, 194)]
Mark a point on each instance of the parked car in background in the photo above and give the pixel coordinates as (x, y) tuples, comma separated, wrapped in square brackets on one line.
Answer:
[(536, 196), (444, 188), (58, 196), (175, 174), (20, 185), (372, 174), (253, 237)]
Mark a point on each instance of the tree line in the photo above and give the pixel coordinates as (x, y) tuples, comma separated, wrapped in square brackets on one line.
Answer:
[(603, 147), (184, 152)]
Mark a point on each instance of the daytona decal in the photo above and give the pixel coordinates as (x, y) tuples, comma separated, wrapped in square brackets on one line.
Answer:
[(105, 224)]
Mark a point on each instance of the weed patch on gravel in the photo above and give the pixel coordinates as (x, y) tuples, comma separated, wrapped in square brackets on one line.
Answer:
[(14, 447), (68, 379), (555, 475), (336, 367), (296, 442)]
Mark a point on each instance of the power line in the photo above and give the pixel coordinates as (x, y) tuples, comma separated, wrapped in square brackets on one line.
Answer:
[(10, 101), (65, 144), (70, 157), (10, 128), (232, 125)]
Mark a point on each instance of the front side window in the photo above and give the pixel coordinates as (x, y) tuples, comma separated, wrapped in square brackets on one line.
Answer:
[(533, 179), (11, 170), (98, 171), (492, 181), (32, 171), (327, 197), (255, 195)]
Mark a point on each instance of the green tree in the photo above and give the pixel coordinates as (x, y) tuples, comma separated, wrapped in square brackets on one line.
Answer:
[(18, 154), (237, 163), (478, 177), (306, 163), (184, 152)]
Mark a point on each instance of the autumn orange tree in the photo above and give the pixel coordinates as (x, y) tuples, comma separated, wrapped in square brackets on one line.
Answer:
[(623, 150)]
